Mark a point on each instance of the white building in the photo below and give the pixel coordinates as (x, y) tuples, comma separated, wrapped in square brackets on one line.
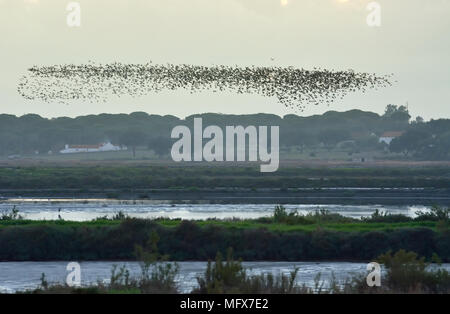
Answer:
[(103, 147), (387, 137)]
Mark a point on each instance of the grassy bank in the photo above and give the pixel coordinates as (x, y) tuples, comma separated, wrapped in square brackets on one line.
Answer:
[(233, 225), (171, 176), (285, 236)]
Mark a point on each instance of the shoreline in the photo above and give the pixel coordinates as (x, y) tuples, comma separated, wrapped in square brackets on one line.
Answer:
[(328, 196)]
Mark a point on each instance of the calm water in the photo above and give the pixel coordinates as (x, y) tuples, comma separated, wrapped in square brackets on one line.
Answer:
[(81, 210), (19, 276)]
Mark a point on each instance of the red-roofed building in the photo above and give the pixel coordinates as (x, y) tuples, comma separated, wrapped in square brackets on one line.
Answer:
[(104, 147), (387, 137)]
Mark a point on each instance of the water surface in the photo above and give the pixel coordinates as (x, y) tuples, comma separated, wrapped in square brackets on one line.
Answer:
[(82, 210), (19, 276)]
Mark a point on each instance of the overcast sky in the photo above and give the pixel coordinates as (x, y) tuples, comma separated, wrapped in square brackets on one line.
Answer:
[(413, 42)]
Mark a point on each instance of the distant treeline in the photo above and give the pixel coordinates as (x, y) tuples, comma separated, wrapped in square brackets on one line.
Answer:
[(189, 241), (358, 130), (429, 140)]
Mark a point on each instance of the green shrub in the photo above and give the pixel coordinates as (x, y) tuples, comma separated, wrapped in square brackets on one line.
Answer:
[(407, 273), (157, 275), (11, 215), (230, 277), (378, 216), (436, 214)]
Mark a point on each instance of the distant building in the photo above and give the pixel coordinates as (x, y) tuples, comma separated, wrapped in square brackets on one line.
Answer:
[(103, 147), (387, 137)]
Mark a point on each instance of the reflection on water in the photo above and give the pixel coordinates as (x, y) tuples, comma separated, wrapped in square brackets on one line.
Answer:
[(81, 210)]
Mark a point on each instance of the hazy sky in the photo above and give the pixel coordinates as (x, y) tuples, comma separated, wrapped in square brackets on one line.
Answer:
[(413, 42)]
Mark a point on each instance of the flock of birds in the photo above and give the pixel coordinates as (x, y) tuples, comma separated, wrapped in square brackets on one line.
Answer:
[(92, 82)]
